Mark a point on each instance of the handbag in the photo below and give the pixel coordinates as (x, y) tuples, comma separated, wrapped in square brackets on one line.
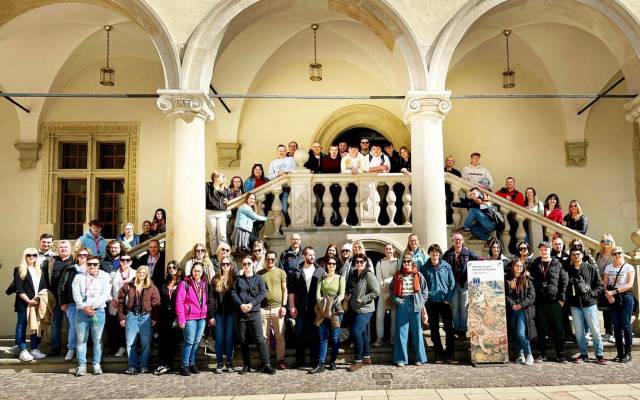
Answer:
[(603, 302)]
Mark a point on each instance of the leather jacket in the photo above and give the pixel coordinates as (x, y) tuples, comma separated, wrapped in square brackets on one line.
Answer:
[(215, 198)]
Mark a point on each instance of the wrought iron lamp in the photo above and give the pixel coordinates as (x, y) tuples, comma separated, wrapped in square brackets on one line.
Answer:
[(508, 76), (315, 68), (107, 74)]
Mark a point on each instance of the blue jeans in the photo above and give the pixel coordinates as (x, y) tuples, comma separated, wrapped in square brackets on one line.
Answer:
[(225, 326), (621, 318), (408, 324), (459, 305), (138, 324), (479, 223), (21, 332), (193, 330), (84, 323), (284, 200), (587, 317), (71, 326), (360, 336), (327, 332), (56, 327), (519, 322)]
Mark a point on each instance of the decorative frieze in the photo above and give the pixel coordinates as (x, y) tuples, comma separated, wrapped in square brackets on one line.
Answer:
[(186, 104)]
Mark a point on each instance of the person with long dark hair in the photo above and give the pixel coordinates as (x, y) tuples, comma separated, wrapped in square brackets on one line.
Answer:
[(191, 309), (256, 179), (236, 187), (168, 330), (520, 297), (222, 314), (159, 223), (553, 209)]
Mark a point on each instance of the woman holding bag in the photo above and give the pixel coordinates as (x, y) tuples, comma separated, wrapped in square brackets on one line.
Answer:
[(409, 293), (618, 281), (191, 310)]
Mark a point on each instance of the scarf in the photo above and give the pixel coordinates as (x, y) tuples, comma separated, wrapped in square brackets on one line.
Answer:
[(397, 281)]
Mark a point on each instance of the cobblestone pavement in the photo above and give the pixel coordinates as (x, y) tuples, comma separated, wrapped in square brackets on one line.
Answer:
[(26, 385)]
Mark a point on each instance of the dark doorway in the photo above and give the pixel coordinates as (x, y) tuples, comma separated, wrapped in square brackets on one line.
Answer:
[(354, 135)]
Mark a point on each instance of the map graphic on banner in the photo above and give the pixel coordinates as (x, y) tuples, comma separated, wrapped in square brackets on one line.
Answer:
[(487, 322)]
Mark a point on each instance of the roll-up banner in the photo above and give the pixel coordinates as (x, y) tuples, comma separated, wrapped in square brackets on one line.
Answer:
[(487, 322)]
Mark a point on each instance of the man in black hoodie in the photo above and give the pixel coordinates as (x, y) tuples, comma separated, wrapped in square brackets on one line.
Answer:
[(550, 282), (585, 284)]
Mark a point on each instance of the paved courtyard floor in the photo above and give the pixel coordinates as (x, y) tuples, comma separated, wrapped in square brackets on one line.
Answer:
[(548, 380)]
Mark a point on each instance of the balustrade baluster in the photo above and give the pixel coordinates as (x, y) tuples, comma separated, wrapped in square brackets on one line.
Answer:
[(359, 202), (406, 204), (327, 208), (260, 198), (344, 203), (506, 233), (521, 232), (457, 214), (376, 203), (391, 204), (276, 211)]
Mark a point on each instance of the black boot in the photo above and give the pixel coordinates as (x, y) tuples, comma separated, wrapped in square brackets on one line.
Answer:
[(319, 368), (626, 358), (332, 366)]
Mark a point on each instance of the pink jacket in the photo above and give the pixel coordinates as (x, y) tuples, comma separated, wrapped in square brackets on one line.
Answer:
[(188, 306)]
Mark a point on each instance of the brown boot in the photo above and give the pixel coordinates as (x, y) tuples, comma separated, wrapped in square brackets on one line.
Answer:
[(354, 367), (366, 361)]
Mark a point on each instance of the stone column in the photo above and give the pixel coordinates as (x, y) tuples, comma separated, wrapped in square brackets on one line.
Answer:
[(632, 109), (189, 110), (424, 112)]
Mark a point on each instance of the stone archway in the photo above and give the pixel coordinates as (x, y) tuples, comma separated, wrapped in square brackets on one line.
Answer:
[(366, 116)]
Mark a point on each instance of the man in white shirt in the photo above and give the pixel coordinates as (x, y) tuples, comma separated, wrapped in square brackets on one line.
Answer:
[(476, 173), (364, 146), (354, 163), (283, 164), (378, 161)]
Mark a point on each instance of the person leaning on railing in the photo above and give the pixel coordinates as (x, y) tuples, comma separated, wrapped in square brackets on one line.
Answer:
[(241, 236)]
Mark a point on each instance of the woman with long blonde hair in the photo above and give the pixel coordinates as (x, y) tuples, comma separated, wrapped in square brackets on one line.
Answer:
[(217, 196), (199, 254), (28, 281), (604, 257), (139, 311), (222, 314)]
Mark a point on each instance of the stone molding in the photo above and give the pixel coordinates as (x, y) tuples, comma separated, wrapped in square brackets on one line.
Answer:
[(228, 154), (433, 104), (632, 109), (51, 133), (576, 154), (28, 154), (186, 104)]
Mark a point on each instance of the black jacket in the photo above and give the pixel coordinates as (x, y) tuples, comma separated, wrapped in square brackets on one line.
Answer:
[(168, 303), (158, 274), (460, 270), (249, 290), (305, 300), (26, 286), (215, 198), (65, 295), (526, 298), (313, 163), (55, 266), (220, 303), (289, 260), (584, 285), (581, 225), (394, 159), (551, 283)]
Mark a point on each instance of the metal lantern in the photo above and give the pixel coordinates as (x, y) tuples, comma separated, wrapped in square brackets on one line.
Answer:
[(107, 74), (508, 76), (315, 68)]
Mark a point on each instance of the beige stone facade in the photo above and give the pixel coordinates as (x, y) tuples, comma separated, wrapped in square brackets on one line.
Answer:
[(430, 52)]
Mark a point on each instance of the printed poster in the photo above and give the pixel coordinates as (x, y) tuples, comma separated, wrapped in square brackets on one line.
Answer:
[(487, 322)]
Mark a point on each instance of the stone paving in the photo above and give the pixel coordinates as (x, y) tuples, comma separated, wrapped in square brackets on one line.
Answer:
[(433, 382)]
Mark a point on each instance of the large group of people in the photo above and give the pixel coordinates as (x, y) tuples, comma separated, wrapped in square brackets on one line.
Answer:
[(304, 302)]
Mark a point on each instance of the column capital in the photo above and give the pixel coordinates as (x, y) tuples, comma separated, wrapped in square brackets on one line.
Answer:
[(632, 109), (185, 104), (422, 102)]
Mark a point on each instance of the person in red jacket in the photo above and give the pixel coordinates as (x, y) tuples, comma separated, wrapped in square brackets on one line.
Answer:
[(510, 193), (552, 209)]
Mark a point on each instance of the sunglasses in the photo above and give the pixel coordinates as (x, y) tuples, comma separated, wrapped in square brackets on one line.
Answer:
[(93, 264), (246, 263), (406, 261), (359, 261), (364, 142), (606, 241), (223, 249), (172, 267), (331, 263), (617, 254), (31, 255), (225, 263), (83, 255), (125, 259), (270, 259), (200, 250), (257, 250)]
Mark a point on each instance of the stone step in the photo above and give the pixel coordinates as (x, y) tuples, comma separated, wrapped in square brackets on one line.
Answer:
[(380, 355)]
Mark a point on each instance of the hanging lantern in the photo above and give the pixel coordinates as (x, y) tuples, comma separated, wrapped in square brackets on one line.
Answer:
[(107, 74), (315, 68), (508, 76)]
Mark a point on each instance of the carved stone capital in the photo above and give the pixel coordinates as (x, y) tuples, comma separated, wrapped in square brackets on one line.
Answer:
[(632, 109), (576, 153), (228, 154), (186, 104), (421, 103), (28, 154)]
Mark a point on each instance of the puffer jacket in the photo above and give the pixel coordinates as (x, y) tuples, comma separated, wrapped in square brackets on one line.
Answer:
[(584, 285), (188, 306), (550, 286), (215, 198)]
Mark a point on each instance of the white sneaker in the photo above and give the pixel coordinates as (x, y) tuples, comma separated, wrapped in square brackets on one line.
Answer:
[(71, 353), (612, 339), (37, 354), (25, 356), (121, 352), (529, 360), (377, 343), (15, 350)]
